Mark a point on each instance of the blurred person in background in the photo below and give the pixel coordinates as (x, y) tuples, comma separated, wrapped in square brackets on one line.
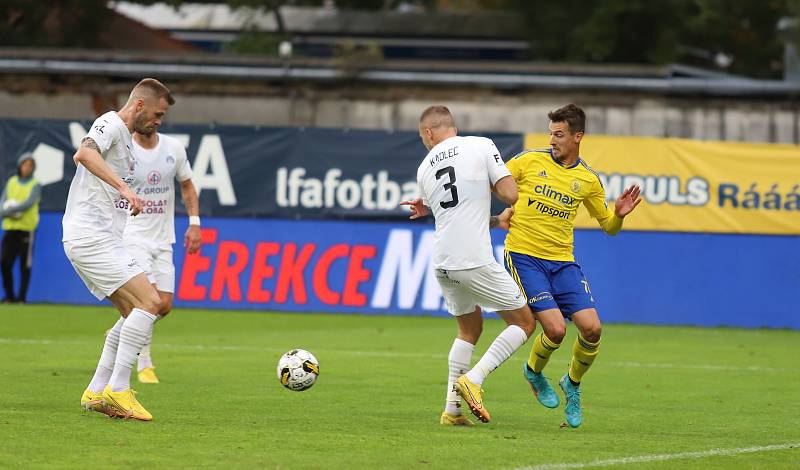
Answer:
[(19, 209)]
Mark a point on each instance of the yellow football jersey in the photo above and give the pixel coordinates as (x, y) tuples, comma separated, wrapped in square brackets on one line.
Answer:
[(549, 195)]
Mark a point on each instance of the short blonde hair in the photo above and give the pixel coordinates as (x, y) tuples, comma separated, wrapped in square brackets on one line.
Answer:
[(152, 88), (437, 116)]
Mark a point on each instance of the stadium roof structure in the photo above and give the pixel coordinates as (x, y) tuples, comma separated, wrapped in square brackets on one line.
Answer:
[(680, 80)]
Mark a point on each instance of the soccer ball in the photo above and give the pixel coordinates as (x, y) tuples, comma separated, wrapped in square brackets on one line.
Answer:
[(298, 370)]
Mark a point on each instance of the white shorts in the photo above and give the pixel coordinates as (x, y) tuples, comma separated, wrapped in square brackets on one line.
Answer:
[(103, 264), (156, 261), (489, 286)]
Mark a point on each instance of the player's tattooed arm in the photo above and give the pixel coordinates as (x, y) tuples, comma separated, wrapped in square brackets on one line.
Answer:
[(89, 143), (503, 220)]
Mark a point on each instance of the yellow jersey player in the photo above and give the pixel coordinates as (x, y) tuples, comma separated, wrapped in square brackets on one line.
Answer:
[(552, 184)]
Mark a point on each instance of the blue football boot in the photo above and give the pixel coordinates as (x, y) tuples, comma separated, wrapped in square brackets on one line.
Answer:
[(541, 387), (572, 393)]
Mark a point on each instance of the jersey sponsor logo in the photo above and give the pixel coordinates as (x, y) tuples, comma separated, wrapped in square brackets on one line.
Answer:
[(444, 155), (155, 207), (153, 178), (552, 211), (548, 191), (157, 190)]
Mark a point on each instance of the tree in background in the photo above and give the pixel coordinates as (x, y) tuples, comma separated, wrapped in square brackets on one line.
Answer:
[(52, 23), (738, 36)]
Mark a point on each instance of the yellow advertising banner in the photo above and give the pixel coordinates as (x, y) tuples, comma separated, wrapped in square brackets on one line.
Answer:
[(696, 186)]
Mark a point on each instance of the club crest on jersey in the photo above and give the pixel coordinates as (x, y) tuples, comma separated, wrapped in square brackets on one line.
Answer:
[(575, 186), (153, 178), (542, 174), (170, 160)]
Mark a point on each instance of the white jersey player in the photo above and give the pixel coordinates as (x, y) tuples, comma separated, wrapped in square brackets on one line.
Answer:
[(149, 236), (455, 181), (99, 201)]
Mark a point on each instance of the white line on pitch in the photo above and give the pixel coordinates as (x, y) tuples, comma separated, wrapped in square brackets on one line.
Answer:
[(664, 457), (202, 347)]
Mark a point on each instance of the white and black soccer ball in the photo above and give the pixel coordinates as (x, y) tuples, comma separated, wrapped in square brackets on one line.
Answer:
[(298, 369)]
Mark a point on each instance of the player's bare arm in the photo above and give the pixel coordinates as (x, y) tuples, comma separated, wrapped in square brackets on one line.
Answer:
[(627, 201), (506, 190), (191, 239), (417, 207), (89, 156)]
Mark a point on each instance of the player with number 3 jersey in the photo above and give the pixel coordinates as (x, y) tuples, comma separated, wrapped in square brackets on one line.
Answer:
[(456, 180)]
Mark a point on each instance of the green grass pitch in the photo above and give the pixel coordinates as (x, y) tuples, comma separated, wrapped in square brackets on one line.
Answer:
[(657, 397)]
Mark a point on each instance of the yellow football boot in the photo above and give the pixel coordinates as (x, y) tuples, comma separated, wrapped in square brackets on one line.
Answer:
[(148, 376), (91, 401), (125, 404), (473, 395), (454, 420)]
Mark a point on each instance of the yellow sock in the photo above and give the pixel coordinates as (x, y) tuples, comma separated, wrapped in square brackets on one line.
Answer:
[(542, 348), (583, 354)]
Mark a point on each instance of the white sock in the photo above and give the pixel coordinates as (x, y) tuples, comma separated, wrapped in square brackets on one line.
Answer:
[(458, 363), (145, 361), (506, 343), (136, 332), (107, 357)]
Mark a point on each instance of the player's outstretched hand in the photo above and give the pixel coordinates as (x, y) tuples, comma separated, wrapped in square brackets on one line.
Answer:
[(504, 218), (192, 239), (418, 209), (137, 204), (628, 201)]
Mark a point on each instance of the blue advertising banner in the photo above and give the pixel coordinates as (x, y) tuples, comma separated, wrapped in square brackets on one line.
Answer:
[(255, 171), (384, 268)]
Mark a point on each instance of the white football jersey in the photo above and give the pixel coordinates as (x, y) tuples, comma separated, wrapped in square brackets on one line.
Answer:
[(95, 209), (454, 182), (155, 174)]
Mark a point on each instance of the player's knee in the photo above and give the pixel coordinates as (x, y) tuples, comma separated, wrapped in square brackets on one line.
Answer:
[(592, 333), (555, 333)]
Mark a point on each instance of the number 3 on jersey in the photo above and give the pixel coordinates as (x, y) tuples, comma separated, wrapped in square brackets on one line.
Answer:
[(450, 185)]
